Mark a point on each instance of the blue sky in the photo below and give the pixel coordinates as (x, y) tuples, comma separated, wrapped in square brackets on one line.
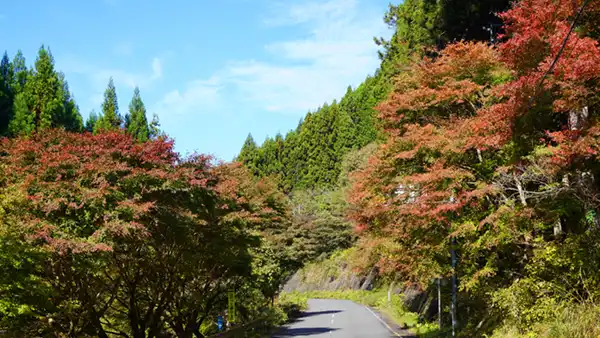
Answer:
[(213, 70)]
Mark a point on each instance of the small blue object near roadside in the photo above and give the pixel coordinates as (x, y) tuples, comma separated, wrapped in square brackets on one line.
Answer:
[(220, 322)]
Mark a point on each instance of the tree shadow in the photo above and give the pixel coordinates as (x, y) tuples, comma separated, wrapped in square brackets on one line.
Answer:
[(317, 313), (302, 331)]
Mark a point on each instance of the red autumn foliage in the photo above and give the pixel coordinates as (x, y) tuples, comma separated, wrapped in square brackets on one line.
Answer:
[(82, 191), (536, 31), (428, 101), (447, 85), (446, 114)]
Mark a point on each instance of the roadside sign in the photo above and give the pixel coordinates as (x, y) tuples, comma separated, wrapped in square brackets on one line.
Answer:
[(231, 306), (220, 323)]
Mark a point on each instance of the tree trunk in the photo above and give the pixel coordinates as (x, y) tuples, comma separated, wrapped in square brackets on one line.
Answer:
[(578, 118), (520, 189), (558, 229)]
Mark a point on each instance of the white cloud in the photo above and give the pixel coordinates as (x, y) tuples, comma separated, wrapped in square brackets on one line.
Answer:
[(99, 76), (156, 68), (338, 51), (196, 94), (123, 49), (286, 13)]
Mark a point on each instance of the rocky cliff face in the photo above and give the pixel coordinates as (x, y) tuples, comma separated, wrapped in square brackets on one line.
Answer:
[(344, 279)]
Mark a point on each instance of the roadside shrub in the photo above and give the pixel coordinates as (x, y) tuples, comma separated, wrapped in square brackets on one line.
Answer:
[(572, 321), (292, 303)]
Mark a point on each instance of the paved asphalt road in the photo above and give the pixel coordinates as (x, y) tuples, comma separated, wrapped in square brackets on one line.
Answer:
[(336, 319)]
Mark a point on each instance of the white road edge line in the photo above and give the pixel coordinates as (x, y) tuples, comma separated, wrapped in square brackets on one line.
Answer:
[(382, 322)]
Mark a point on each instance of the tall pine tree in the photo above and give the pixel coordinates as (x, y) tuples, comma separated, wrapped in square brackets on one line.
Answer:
[(249, 154), (23, 121), (344, 136), (90, 123), (154, 128), (70, 118), (6, 95), (19, 72), (45, 91), (42, 100), (110, 119), (136, 122)]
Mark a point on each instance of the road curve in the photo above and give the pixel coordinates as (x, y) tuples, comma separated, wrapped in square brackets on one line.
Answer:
[(336, 319)]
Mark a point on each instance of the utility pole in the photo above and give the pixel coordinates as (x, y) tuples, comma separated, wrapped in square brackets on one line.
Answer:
[(454, 282), (439, 287), (453, 305)]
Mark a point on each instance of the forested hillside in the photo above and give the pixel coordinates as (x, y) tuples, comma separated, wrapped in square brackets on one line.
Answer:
[(484, 165), (310, 156), (312, 164)]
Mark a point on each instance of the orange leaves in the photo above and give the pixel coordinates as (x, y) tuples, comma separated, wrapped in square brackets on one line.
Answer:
[(90, 191), (492, 127), (528, 24), (450, 85), (536, 31), (90, 188), (574, 146), (421, 178), (546, 24), (480, 139)]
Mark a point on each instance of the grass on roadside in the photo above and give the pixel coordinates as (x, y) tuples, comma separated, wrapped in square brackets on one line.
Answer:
[(573, 321), (292, 303)]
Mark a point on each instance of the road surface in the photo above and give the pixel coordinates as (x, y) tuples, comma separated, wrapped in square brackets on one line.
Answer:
[(336, 319)]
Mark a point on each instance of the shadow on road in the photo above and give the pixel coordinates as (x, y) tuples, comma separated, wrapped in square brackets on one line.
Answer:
[(302, 331), (316, 313)]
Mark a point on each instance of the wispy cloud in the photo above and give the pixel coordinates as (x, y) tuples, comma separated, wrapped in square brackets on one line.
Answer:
[(123, 49), (288, 13), (338, 50), (156, 68), (195, 94), (99, 76)]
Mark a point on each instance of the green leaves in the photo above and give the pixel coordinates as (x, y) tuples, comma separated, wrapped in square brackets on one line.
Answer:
[(109, 118), (310, 156), (22, 122), (36, 99), (136, 122)]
